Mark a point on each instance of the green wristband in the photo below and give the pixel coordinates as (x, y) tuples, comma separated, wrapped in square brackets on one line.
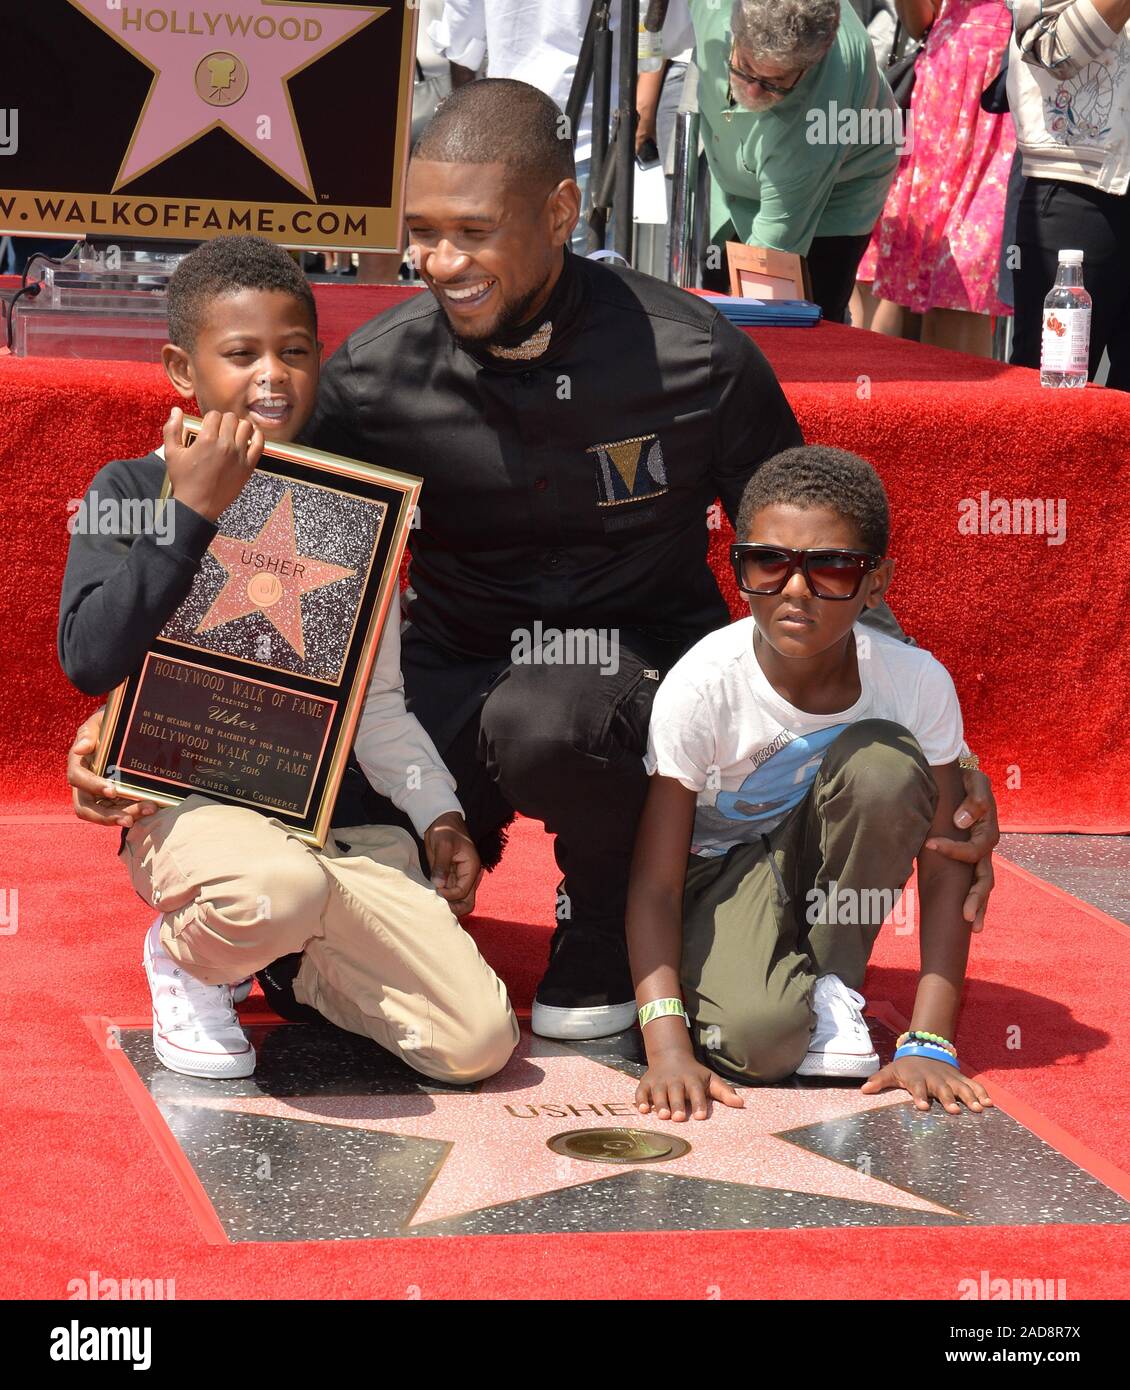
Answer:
[(662, 1008)]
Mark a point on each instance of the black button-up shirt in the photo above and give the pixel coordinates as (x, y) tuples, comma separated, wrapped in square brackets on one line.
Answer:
[(571, 488)]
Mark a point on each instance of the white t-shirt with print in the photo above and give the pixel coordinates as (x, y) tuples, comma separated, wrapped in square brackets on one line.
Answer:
[(720, 728)]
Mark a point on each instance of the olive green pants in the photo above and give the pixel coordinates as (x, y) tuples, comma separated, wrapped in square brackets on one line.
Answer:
[(762, 922)]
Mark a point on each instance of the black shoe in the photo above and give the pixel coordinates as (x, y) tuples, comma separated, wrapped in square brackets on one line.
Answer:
[(277, 983), (586, 991)]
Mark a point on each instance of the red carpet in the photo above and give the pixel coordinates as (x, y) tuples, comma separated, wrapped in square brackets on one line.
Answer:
[(1037, 637), (85, 1188)]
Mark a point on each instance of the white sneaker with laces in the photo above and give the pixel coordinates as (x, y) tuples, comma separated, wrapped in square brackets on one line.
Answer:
[(195, 1028), (841, 1044)]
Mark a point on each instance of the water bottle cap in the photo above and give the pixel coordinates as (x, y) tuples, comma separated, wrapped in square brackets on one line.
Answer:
[(1071, 258)]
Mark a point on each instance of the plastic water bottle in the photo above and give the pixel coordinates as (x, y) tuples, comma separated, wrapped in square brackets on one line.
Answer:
[(649, 52), (1066, 339)]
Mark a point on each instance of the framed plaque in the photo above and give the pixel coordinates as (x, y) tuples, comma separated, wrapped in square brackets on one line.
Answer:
[(757, 272), (252, 691)]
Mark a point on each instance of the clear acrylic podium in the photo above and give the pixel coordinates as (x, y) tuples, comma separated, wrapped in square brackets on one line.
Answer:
[(103, 300)]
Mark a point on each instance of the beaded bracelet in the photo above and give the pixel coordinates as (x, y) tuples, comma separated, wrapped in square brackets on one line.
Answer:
[(936, 1054), (661, 1008), (918, 1035)]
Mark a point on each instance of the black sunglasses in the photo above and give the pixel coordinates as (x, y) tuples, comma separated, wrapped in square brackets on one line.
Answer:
[(751, 80), (829, 573)]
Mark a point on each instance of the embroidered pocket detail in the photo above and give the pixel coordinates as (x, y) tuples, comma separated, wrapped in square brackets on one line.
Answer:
[(629, 470)]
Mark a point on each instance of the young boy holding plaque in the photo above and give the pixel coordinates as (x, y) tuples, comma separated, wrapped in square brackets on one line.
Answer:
[(799, 764), (382, 951)]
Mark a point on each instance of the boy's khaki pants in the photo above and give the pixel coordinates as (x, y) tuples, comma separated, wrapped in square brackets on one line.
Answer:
[(759, 926), (383, 954)]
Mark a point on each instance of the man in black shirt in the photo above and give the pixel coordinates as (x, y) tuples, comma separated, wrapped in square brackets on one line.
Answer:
[(572, 424)]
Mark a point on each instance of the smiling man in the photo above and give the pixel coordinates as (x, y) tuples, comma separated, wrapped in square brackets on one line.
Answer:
[(572, 424)]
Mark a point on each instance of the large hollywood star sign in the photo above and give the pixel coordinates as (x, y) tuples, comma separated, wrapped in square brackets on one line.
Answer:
[(286, 118)]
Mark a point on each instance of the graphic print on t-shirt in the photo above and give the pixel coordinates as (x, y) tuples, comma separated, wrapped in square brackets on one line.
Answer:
[(766, 795)]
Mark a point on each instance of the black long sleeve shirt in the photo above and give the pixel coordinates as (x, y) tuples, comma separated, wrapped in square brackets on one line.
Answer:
[(526, 513), (119, 589)]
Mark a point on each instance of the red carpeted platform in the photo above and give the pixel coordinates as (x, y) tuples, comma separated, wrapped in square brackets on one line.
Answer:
[(86, 1188), (1036, 635)]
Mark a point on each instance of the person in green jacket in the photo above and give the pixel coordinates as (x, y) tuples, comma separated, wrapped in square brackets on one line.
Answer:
[(801, 132)]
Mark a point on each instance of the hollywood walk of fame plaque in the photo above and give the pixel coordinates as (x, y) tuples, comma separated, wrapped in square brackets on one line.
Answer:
[(251, 693), (289, 119)]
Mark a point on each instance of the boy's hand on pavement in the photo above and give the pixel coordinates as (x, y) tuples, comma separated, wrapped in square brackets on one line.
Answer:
[(677, 1086), (925, 1079)]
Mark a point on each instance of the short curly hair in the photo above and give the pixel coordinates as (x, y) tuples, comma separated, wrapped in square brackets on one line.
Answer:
[(224, 266), (814, 475)]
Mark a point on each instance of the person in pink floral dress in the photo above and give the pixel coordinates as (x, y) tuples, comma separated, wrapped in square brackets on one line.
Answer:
[(936, 247)]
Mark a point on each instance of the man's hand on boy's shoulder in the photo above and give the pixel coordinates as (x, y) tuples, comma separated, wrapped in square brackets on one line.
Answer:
[(927, 1080), (98, 799), (210, 473), (977, 814), (456, 867)]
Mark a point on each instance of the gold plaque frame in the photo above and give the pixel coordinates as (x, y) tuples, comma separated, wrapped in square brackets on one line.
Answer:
[(157, 742)]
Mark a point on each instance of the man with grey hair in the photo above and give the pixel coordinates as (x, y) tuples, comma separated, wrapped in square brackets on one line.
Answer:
[(801, 132)]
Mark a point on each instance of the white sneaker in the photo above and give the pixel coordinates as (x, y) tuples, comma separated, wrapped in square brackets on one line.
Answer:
[(195, 1029), (841, 1044), (241, 989)]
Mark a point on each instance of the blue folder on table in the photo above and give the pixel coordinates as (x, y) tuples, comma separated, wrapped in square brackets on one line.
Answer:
[(756, 313)]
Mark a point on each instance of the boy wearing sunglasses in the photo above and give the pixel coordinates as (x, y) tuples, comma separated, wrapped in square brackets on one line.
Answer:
[(799, 764)]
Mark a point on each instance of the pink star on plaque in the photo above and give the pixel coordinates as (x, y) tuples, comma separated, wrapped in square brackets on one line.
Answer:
[(267, 575), (497, 1134), (232, 73)]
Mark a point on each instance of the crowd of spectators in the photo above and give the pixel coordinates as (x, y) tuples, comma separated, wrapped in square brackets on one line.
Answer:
[(930, 223)]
